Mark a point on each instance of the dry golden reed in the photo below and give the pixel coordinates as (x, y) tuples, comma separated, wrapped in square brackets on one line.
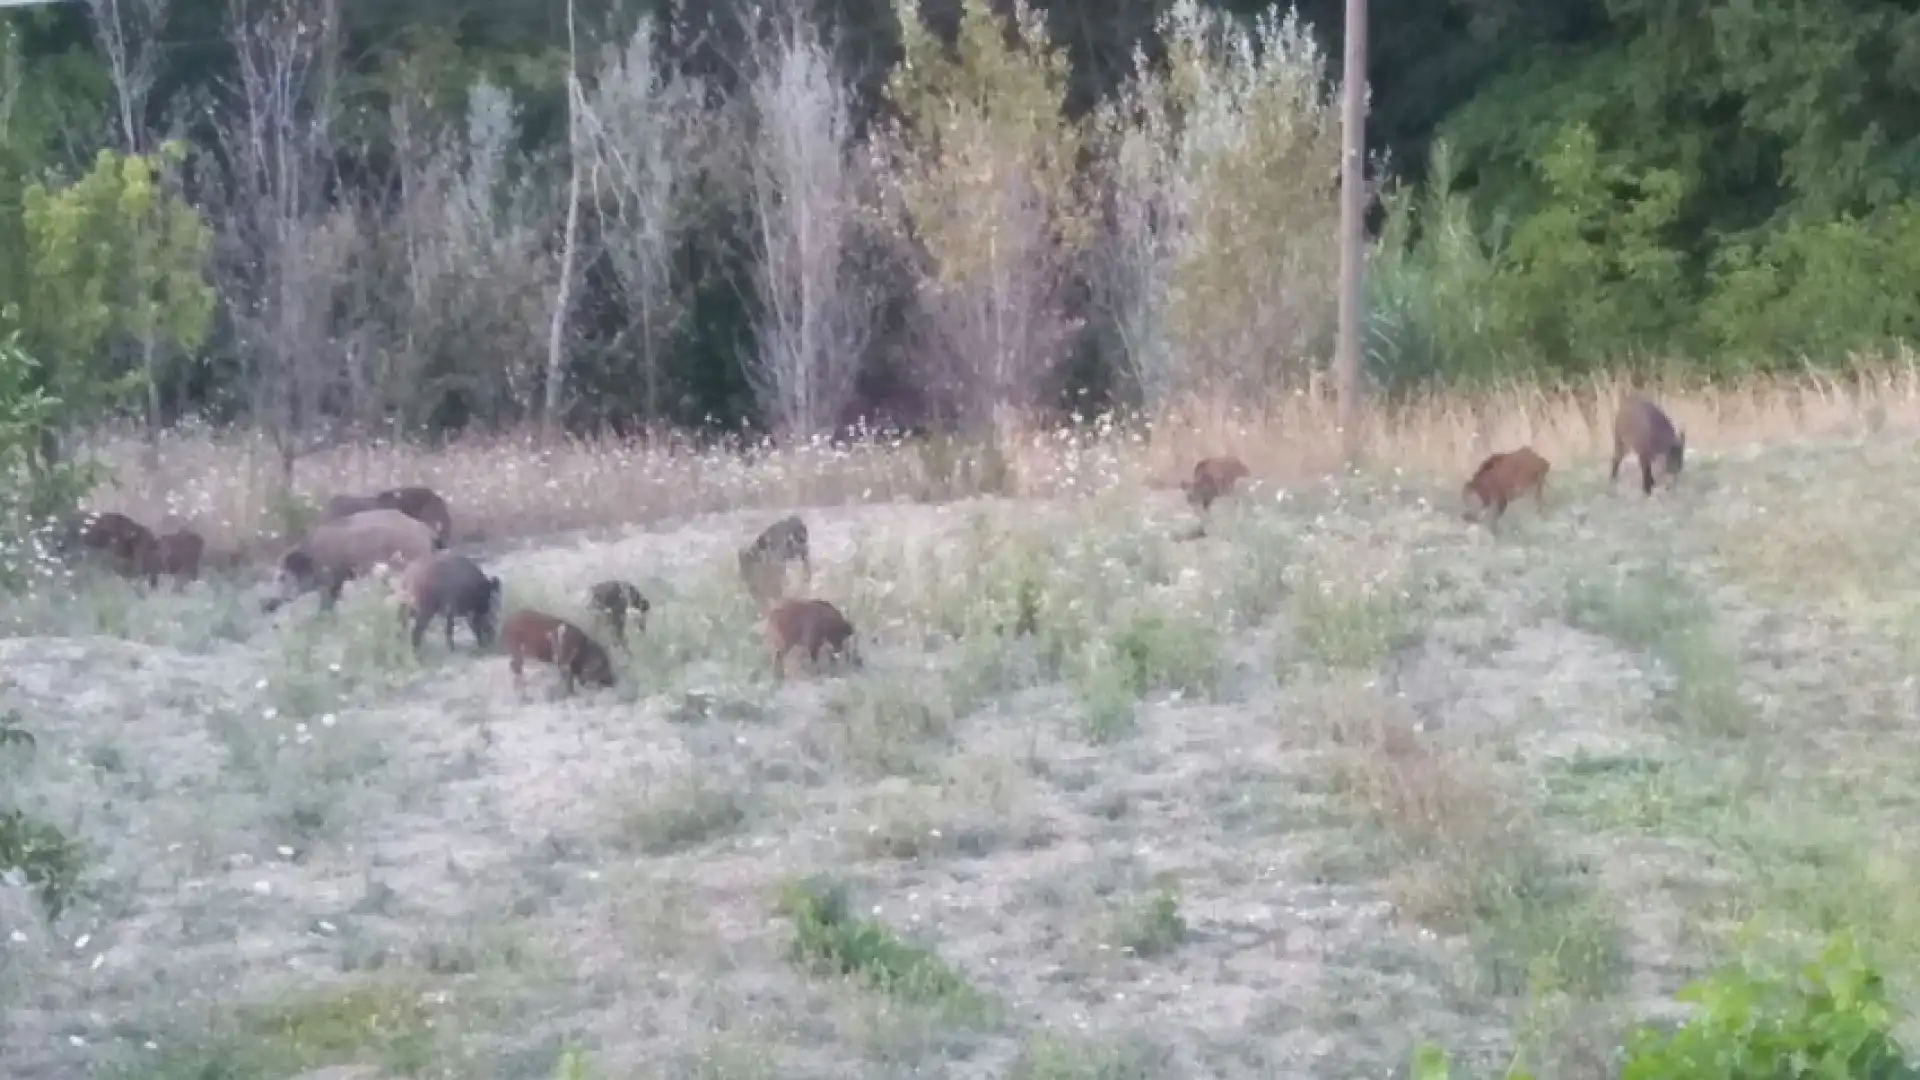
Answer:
[(229, 485)]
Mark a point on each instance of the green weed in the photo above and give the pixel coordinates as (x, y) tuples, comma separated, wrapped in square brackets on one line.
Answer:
[(828, 939)]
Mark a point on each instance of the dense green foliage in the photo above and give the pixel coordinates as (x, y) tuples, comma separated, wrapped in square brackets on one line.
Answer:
[(1723, 185), (1831, 1018)]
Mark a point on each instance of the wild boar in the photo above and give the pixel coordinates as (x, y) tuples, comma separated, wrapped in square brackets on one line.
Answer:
[(1212, 478), (179, 553), (812, 625), (336, 552), (1503, 478), (126, 546), (418, 503), (547, 638), (453, 586), (763, 562), (1641, 427), (422, 504), (613, 601)]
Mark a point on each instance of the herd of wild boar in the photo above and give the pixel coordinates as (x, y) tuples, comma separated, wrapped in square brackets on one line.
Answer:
[(408, 530)]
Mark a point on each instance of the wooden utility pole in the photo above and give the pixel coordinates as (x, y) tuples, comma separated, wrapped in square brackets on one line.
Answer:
[(1353, 209)]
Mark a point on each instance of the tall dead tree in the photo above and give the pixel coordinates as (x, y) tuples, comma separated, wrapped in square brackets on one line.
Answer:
[(563, 292), (641, 130), (817, 313), (280, 256), (129, 35)]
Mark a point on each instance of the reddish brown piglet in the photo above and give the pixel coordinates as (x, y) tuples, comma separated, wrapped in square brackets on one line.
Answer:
[(813, 626), (536, 635)]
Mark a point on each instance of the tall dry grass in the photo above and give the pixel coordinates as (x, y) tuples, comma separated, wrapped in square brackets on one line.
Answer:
[(227, 485)]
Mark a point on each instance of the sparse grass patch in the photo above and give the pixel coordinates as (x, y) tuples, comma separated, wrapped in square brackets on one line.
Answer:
[(1659, 612), (977, 808), (1154, 927), (828, 939), (389, 1025), (1465, 857), (687, 814), (1148, 649), (1053, 1057), (1259, 560), (300, 767), (1349, 627), (887, 724), (704, 633)]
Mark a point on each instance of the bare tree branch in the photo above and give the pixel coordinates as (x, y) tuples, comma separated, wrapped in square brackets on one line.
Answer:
[(129, 35), (816, 315), (642, 132), (563, 292), (283, 251)]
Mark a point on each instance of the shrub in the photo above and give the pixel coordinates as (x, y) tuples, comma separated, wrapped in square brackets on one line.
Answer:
[(1831, 1019)]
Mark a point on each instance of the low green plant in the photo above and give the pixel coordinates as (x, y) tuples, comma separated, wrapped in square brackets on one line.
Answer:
[(13, 734), (1157, 927), (1830, 1018), (1658, 612), (46, 858), (1348, 628), (385, 1024), (829, 939)]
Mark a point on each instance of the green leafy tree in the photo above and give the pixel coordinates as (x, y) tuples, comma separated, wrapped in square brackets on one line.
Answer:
[(31, 490), (116, 263), (1590, 277), (979, 181), (1219, 265), (1817, 290)]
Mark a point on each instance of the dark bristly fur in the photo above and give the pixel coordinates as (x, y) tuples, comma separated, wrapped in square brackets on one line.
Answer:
[(812, 625), (1212, 478), (547, 638), (178, 553), (453, 586), (422, 504), (1503, 478), (128, 546), (613, 601), (1641, 427)]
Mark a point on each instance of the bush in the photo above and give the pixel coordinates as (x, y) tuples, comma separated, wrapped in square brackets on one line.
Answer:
[(1830, 1019)]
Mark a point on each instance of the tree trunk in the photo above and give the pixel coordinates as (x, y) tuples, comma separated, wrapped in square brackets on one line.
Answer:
[(148, 365)]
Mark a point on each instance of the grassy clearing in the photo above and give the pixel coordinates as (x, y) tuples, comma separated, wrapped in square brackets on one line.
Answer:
[(1344, 774)]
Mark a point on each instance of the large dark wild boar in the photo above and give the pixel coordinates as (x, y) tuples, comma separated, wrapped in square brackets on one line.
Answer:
[(811, 625), (1212, 478), (1641, 427), (763, 562), (422, 504), (536, 634), (178, 554), (341, 506), (613, 601), (418, 503), (336, 552), (453, 586), (1503, 478), (127, 546)]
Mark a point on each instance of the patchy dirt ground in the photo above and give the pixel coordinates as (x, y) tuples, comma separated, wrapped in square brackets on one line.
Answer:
[(1344, 775)]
